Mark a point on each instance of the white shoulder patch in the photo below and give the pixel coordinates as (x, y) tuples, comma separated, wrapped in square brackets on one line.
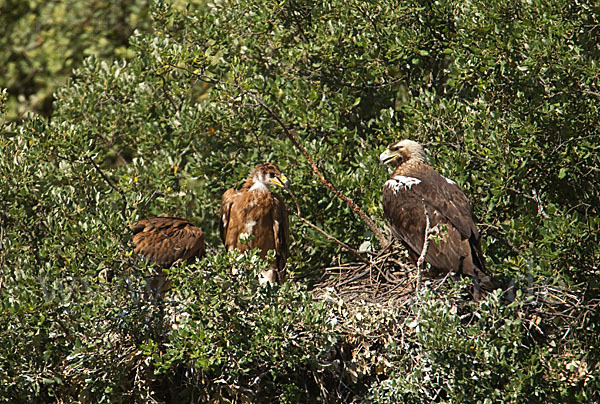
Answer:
[(448, 180), (401, 182)]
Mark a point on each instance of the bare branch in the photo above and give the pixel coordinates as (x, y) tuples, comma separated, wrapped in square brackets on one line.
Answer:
[(166, 93), (594, 93), (421, 259), (499, 233), (382, 239)]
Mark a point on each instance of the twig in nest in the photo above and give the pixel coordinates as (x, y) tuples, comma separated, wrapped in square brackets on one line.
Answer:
[(323, 232), (443, 281), (421, 259)]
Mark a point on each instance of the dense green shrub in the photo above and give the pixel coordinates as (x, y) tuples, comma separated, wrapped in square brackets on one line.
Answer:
[(239, 339), (504, 95), (482, 356)]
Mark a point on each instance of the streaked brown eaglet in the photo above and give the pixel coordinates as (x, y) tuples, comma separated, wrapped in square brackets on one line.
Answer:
[(166, 241), (253, 217)]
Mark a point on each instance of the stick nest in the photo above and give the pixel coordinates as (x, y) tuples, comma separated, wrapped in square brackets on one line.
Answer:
[(390, 280)]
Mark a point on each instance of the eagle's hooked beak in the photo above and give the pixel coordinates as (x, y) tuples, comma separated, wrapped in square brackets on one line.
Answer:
[(388, 156), (281, 181)]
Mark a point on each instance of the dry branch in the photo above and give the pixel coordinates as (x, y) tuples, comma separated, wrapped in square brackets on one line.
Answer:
[(547, 310), (380, 281), (382, 239), (426, 235), (2, 250)]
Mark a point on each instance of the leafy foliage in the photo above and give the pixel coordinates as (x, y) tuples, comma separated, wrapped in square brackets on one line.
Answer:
[(478, 356), (242, 340), (504, 95)]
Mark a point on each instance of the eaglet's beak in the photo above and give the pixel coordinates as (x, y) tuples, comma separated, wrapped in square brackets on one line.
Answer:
[(388, 156), (281, 181)]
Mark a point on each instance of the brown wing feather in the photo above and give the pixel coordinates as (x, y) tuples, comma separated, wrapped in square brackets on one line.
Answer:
[(444, 196), (459, 249), (450, 201), (235, 211), (404, 213), (165, 240)]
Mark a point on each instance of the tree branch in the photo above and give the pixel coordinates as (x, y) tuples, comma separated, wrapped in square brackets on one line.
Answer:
[(382, 239), (2, 251), (421, 259)]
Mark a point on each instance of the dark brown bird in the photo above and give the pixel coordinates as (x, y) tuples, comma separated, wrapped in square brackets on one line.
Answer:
[(414, 187), (253, 217), (166, 241)]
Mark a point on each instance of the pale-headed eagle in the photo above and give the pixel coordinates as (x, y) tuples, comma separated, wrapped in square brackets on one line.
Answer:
[(253, 217), (165, 241), (415, 188)]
